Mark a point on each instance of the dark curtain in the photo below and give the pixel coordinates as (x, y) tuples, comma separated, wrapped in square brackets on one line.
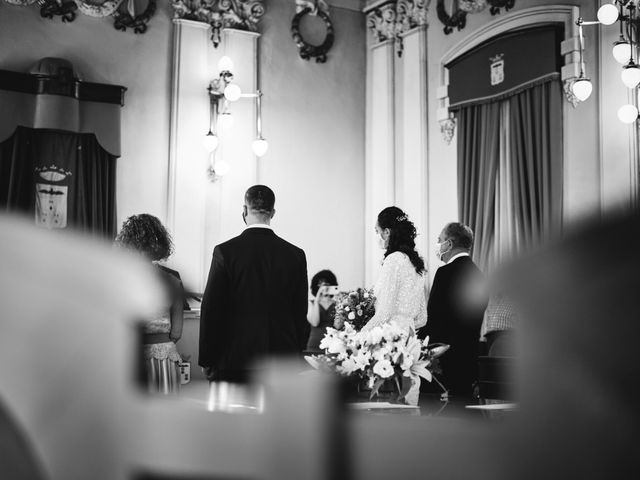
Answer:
[(535, 155), (62, 179), (478, 160), (535, 151)]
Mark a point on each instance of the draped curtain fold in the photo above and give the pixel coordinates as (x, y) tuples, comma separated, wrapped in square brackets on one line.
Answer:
[(478, 144), (510, 171), (61, 178)]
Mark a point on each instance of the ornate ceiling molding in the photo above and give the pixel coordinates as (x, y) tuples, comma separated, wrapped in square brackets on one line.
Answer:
[(389, 19), (238, 14)]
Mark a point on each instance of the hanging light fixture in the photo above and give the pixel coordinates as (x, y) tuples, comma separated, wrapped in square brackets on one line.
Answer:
[(625, 51), (222, 90), (582, 86), (260, 145)]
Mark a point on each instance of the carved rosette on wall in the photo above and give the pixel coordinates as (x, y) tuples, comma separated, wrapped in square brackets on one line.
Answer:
[(320, 9), (238, 14), (389, 20)]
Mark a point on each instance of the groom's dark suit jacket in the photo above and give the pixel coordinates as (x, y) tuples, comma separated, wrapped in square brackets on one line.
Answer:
[(456, 306), (254, 305)]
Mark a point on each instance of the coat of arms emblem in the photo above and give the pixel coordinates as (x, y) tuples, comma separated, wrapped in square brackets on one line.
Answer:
[(497, 69)]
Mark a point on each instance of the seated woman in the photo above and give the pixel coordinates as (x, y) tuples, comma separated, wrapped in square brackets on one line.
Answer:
[(146, 235), (321, 312)]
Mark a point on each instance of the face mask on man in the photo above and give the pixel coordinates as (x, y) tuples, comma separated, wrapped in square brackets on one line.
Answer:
[(439, 252)]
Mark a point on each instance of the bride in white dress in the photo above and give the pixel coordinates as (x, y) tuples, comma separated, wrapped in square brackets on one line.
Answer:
[(401, 287)]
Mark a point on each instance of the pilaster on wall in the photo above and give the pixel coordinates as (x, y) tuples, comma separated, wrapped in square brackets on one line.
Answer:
[(187, 157), (202, 213), (380, 148), (411, 152), (225, 197), (396, 133)]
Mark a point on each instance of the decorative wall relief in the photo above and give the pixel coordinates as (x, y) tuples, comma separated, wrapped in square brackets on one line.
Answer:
[(123, 11), (97, 8), (389, 20), (126, 17), (455, 18), (320, 9), (238, 14), (496, 5), (66, 10), (454, 15)]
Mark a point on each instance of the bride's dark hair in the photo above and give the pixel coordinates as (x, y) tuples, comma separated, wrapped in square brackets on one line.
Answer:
[(402, 237)]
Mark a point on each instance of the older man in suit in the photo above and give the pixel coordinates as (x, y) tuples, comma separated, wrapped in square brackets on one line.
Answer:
[(255, 302), (456, 306)]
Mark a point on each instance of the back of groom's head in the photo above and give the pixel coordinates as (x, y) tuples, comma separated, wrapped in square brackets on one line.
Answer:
[(260, 199)]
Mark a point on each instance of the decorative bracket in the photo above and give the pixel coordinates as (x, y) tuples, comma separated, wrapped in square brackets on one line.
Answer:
[(320, 9), (448, 129), (567, 87), (238, 14)]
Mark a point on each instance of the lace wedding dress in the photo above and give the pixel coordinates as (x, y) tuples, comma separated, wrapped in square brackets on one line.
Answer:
[(400, 297)]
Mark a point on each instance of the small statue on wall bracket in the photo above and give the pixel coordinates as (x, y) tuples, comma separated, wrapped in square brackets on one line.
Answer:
[(320, 9)]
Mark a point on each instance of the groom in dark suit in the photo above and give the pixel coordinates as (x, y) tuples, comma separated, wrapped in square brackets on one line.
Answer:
[(255, 303), (456, 306)]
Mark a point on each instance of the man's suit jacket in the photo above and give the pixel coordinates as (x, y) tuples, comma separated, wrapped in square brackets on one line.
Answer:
[(254, 305), (455, 310)]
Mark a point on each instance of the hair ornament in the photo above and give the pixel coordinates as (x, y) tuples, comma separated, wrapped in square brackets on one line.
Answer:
[(402, 218)]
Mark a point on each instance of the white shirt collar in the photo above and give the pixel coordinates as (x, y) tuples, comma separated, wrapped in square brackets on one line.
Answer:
[(463, 254), (259, 225)]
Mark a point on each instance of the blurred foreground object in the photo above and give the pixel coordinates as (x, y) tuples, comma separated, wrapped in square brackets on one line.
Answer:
[(67, 351), (580, 305)]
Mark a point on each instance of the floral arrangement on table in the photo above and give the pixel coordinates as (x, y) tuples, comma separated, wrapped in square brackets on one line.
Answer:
[(385, 354), (356, 307)]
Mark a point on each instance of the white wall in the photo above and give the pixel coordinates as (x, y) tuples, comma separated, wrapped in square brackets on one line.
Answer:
[(313, 118)]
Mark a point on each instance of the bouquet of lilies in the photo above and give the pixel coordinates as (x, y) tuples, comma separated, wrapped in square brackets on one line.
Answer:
[(384, 353), (356, 307)]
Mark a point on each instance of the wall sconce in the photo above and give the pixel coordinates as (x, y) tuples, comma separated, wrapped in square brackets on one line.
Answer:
[(223, 91), (625, 52)]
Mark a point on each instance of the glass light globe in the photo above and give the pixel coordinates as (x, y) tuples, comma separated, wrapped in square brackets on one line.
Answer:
[(232, 92), (607, 14), (225, 64), (210, 142), (627, 113), (582, 88), (622, 52), (225, 121), (221, 168), (260, 146), (631, 75)]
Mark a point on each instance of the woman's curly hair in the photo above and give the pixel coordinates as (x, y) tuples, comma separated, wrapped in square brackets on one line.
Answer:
[(146, 234), (402, 237)]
